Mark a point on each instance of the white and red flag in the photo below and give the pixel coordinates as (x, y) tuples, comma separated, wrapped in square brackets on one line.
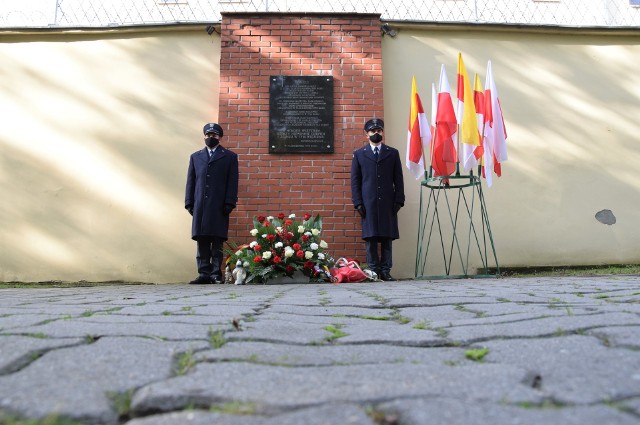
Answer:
[(495, 134), (419, 134), (443, 154)]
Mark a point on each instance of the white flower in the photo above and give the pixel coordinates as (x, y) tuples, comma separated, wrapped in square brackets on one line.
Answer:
[(279, 229), (320, 256), (279, 244), (239, 252), (254, 232), (300, 229), (270, 218), (245, 264), (292, 216), (313, 246), (266, 255), (252, 244), (264, 236), (308, 255), (323, 245), (315, 232), (288, 252), (307, 233)]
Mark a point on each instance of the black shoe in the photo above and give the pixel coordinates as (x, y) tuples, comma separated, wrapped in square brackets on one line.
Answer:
[(386, 276), (200, 280), (216, 280)]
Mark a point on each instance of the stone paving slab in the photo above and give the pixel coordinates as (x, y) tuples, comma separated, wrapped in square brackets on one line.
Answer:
[(477, 351), (275, 389), (569, 367), (76, 382), (619, 336), (331, 355), (443, 411), (16, 352), (338, 413)]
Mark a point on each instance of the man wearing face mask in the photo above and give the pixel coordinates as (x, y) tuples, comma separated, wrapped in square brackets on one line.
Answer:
[(211, 195), (377, 191)]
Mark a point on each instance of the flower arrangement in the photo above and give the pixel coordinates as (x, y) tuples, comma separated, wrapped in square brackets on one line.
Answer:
[(282, 246)]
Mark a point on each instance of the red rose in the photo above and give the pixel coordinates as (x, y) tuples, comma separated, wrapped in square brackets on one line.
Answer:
[(288, 222), (307, 216), (296, 246), (308, 264), (300, 254), (266, 223), (290, 269), (271, 238), (261, 218), (277, 260), (289, 236), (257, 259), (281, 216), (257, 247), (305, 238)]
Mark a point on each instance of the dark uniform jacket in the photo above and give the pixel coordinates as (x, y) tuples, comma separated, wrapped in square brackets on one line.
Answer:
[(377, 186), (211, 185)]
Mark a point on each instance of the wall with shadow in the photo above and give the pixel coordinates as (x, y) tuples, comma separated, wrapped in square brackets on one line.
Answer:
[(96, 133), (97, 128), (571, 101)]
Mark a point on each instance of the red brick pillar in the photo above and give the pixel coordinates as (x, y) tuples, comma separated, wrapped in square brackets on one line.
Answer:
[(256, 46)]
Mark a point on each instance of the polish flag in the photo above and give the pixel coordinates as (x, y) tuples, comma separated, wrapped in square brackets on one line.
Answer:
[(443, 155), (495, 133)]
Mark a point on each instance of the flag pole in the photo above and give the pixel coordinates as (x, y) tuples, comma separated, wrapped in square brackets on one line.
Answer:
[(484, 123), (458, 151), (432, 146)]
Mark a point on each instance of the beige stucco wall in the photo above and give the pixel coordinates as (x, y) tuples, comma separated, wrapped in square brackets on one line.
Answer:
[(96, 131), (95, 135), (571, 103)]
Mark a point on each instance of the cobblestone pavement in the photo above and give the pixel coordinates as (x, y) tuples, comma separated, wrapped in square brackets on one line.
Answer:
[(479, 351)]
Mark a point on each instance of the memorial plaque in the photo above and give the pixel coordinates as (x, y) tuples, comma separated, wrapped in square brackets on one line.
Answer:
[(301, 114)]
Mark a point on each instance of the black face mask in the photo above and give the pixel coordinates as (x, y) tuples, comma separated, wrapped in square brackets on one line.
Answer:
[(211, 142), (375, 138)]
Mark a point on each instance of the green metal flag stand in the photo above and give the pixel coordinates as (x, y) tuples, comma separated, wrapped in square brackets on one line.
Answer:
[(453, 224)]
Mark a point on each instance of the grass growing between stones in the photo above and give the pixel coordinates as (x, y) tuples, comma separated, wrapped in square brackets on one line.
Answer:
[(235, 408), (335, 332), (121, 402), (547, 404), (216, 338), (421, 325), (184, 363), (380, 417), (476, 354), (52, 419), (576, 271), (376, 317)]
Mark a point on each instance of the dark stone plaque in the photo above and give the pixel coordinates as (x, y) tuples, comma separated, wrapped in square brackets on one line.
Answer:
[(301, 114)]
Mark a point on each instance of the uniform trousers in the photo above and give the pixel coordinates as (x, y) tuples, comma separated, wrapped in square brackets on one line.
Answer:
[(209, 256), (379, 254)]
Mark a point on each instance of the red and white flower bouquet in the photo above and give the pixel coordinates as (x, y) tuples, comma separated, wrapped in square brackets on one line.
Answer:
[(281, 246)]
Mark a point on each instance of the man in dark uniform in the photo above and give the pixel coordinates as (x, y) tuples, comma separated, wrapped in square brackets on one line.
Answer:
[(211, 195), (377, 191)]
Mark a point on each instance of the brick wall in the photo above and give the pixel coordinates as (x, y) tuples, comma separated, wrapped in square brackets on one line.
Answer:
[(257, 46)]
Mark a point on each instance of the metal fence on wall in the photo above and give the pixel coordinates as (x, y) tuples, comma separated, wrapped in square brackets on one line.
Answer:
[(101, 13)]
